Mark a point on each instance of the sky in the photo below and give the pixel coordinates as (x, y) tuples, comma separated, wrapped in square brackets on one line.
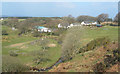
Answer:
[(58, 9), (60, 0)]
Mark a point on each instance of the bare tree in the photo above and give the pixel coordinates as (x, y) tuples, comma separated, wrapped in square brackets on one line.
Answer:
[(70, 19), (117, 17), (85, 18), (71, 42), (102, 17)]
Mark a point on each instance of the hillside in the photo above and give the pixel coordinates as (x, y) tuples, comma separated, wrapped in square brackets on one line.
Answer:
[(90, 61), (44, 51)]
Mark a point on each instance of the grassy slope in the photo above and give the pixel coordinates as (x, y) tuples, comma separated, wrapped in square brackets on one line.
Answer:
[(91, 34), (54, 52), (84, 63)]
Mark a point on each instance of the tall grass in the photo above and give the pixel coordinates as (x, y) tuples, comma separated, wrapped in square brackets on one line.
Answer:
[(12, 64)]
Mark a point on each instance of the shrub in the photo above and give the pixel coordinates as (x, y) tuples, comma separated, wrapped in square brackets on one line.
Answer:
[(44, 43), (13, 53), (41, 57), (58, 32), (71, 43), (108, 61), (95, 43), (4, 32), (12, 64), (99, 67), (37, 34)]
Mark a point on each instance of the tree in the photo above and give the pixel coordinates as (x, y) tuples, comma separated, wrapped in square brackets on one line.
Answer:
[(13, 53), (4, 32), (117, 17), (85, 18), (11, 22), (53, 23), (40, 57), (43, 43), (37, 34), (102, 17), (24, 27), (109, 20), (70, 19), (71, 42)]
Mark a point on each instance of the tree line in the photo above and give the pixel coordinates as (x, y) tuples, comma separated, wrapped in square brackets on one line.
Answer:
[(51, 22)]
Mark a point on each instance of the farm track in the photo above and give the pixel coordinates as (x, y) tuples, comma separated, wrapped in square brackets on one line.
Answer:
[(19, 44)]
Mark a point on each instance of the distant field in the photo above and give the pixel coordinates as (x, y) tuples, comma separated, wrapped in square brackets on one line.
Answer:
[(21, 20), (93, 33), (22, 45)]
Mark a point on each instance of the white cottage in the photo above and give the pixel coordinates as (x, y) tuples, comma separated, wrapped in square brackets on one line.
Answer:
[(1, 19), (88, 23), (43, 29), (59, 26)]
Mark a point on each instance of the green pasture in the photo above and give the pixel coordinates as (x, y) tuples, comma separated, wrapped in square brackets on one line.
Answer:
[(21, 44)]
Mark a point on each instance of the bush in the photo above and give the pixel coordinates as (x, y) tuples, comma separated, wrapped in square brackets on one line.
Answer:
[(108, 61), (13, 53), (58, 32), (71, 43), (41, 57), (12, 64), (44, 43), (37, 34), (95, 43), (4, 32), (99, 67)]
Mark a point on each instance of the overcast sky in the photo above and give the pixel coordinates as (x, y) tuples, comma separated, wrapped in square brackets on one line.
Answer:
[(56, 9)]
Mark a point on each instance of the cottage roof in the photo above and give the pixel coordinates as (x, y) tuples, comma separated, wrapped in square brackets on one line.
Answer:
[(40, 27)]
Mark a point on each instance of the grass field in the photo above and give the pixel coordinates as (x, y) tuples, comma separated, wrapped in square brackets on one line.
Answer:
[(84, 62), (23, 47), (106, 31), (21, 44)]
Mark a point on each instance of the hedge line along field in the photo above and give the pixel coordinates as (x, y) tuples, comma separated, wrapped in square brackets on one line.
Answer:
[(24, 49)]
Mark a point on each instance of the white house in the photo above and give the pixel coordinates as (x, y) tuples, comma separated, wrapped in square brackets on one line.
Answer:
[(60, 26), (63, 25), (68, 25), (13, 28), (94, 23), (1, 19), (43, 29), (88, 23)]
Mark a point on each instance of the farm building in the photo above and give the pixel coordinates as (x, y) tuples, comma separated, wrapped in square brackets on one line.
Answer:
[(68, 25), (60, 26), (1, 19), (43, 29), (13, 28), (86, 23), (63, 25)]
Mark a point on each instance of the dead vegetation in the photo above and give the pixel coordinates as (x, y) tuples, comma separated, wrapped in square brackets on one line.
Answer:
[(91, 61)]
